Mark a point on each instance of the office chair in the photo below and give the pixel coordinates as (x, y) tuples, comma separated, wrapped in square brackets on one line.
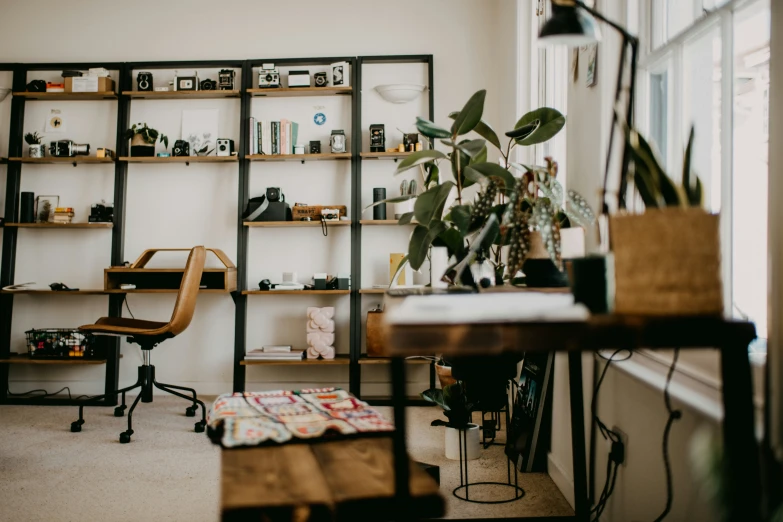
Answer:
[(148, 334)]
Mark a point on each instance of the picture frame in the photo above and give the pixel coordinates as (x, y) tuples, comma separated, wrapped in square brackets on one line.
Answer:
[(44, 208)]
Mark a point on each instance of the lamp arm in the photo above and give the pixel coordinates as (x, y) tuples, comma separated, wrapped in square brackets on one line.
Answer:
[(617, 27)]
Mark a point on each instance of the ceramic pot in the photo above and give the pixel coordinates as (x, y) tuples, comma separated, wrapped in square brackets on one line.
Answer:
[(452, 441), (540, 271), (37, 151), (139, 147)]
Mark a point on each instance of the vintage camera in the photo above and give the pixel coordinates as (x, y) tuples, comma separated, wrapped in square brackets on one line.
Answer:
[(268, 76), (315, 147), (377, 138), (186, 83), (225, 147), (321, 79), (208, 85), (226, 79), (144, 81), (180, 148), (68, 149), (101, 213), (269, 207), (330, 214), (340, 74), (299, 79), (103, 152), (36, 86), (273, 194), (337, 141)]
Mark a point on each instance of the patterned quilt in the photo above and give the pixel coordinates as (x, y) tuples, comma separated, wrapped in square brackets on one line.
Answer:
[(276, 417)]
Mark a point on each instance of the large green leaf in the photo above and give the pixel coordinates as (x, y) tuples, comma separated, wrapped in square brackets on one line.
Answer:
[(481, 156), (643, 153), (453, 240), (433, 175), (493, 170), (550, 121), (460, 216), (419, 158), (405, 219), (435, 396), (429, 205), (524, 131), (472, 147), (431, 130), (396, 199), (483, 129), (470, 115), (464, 161), (420, 242)]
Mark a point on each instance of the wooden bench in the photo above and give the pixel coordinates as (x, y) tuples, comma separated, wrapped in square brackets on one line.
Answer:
[(348, 480)]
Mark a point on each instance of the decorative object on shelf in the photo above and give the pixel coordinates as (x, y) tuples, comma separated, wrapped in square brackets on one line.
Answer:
[(319, 280), (379, 195), (340, 74), (63, 343), (299, 79), (410, 140), (300, 211), (101, 212), (684, 278), (315, 147), (44, 208), (319, 118), (321, 79), (507, 208), (87, 83), (299, 149), (225, 147), (337, 141), (269, 207), (27, 207), (63, 215), (186, 83), (343, 281), (377, 138), (55, 122), (36, 149), (164, 154), (200, 130), (330, 214), (374, 333), (144, 81), (400, 92), (268, 76), (162, 89), (320, 332), (143, 140), (208, 85), (400, 271), (36, 86), (180, 148), (103, 152), (226, 79), (55, 87), (275, 353), (68, 149)]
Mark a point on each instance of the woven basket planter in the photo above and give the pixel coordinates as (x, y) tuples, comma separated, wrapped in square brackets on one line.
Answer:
[(667, 262)]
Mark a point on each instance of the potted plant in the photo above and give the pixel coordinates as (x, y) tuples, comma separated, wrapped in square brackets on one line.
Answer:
[(143, 139), (458, 410), (36, 148)]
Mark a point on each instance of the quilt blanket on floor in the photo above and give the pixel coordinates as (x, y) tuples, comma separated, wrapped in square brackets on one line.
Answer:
[(256, 418)]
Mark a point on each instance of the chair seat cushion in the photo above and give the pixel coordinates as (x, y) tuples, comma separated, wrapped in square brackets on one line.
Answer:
[(124, 326)]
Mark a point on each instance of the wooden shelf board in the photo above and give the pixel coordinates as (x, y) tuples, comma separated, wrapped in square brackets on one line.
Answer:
[(285, 224), (386, 360), (383, 222), (339, 360), (23, 358), (164, 291), (53, 160), (301, 91), (170, 95), (299, 157), (107, 95), (385, 155), (60, 225), (180, 159), (296, 292), (52, 292), (373, 290), (119, 269)]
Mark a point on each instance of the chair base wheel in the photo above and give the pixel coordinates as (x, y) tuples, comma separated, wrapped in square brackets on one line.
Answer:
[(200, 426), (190, 411), (119, 411), (76, 426), (125, 437)]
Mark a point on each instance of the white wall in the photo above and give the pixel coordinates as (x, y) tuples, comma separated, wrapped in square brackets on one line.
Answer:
[(179, 206)]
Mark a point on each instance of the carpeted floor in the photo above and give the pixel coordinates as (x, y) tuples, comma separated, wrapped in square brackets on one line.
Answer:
[(170, 473)]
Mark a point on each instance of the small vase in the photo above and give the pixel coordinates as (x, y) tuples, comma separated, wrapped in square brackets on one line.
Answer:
[(37, 151)]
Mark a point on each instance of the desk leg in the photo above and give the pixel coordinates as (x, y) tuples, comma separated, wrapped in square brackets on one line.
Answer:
[(741, 456), (581, 507), (401, 469)]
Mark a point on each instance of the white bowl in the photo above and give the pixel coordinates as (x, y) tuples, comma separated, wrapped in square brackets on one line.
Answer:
[(400, 92), (4, 92)]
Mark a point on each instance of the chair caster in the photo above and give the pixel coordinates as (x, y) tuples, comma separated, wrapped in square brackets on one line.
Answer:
[(125, 436), (191, 411), (119, 411), (201, 426), (76, 426)]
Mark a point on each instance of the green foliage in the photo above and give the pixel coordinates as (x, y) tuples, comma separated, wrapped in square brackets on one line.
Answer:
[(149, 134), (454, 402), (33, 138), (546, 124)]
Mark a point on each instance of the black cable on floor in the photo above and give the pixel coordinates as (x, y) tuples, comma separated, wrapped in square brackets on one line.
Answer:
[(673, 415), (45, 394)]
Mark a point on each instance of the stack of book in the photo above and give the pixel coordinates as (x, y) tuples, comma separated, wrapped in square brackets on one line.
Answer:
[(63, 215), (274, 353), (273, 137)]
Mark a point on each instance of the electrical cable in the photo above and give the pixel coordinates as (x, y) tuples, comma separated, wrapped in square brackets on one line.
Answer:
[(125, 300), (43, 393), (673, 415)]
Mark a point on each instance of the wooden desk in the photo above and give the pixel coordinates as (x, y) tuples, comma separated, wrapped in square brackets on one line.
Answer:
[(330, 481), (730, 337)]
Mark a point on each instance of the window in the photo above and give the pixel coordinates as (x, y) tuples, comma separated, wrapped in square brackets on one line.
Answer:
[(707, 64)]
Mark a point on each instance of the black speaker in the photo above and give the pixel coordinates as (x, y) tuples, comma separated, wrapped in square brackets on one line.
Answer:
[(27, 208), (379, 211)]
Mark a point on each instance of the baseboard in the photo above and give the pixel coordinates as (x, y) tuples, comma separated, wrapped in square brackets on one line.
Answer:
[(563, 482)]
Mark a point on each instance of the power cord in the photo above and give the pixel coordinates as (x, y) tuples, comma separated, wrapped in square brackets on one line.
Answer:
[(125, 300), (45, 393), (673, 416)]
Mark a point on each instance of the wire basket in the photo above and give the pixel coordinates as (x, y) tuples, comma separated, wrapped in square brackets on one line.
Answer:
[(63, 343)]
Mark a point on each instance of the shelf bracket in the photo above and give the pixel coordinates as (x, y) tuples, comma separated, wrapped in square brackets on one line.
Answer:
[(396, 160), (303, 162), (187, 164), (74, 163)]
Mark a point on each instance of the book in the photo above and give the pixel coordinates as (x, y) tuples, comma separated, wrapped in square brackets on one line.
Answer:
[(276, 348), (284, 130), (266, 142), (294, 134), (259, 134), (275, 136), (295, 355), (252, 125)]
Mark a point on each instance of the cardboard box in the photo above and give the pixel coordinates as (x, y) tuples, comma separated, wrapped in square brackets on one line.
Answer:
[(314, 211), (88, 84)]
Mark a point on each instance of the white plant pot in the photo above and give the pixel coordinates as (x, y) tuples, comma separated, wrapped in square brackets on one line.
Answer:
[(453, 440), (37, 151), (403, 207)]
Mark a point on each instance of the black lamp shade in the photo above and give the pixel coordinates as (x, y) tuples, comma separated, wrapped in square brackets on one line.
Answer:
[(569, 25)]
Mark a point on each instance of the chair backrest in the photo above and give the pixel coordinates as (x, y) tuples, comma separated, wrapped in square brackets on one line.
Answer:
[(188, 291)]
